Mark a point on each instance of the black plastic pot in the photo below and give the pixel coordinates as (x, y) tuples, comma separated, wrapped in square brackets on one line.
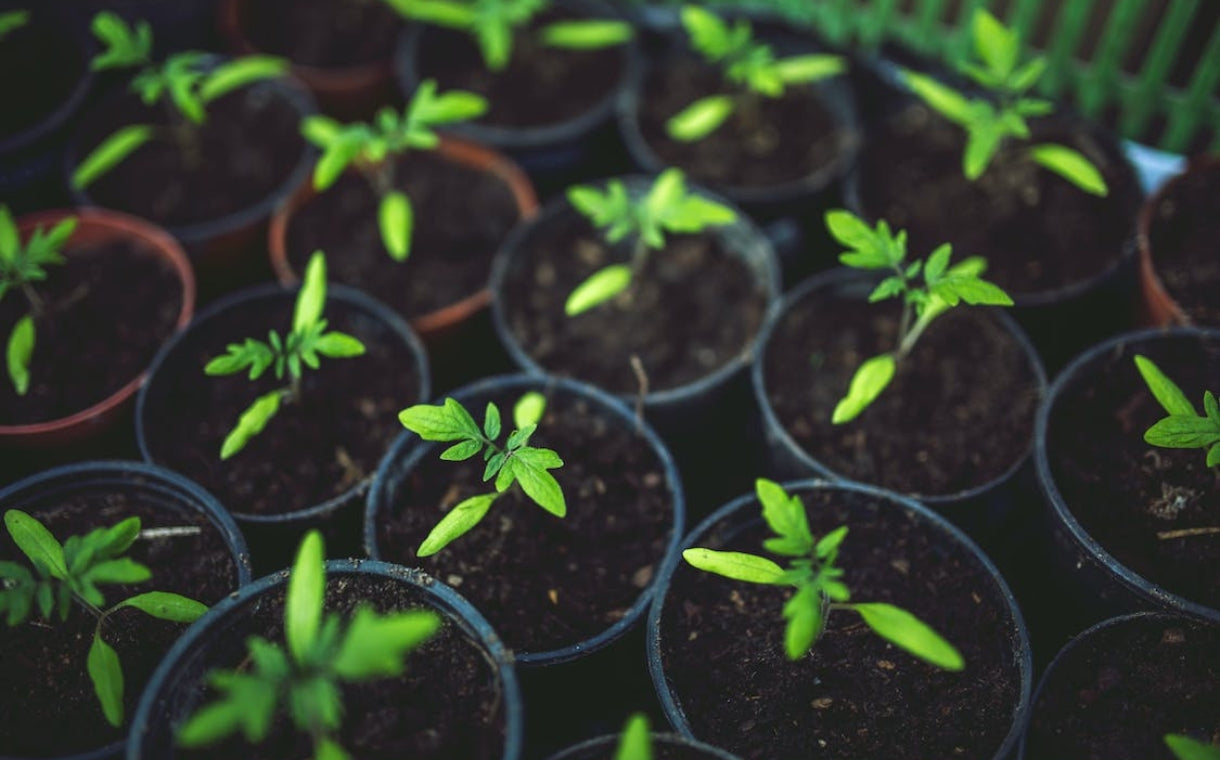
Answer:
[(218, 639), (603, 747)]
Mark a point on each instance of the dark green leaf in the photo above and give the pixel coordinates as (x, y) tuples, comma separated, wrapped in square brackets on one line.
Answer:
[(36, 543), (107, 677), (166, 606), (1186, 748)]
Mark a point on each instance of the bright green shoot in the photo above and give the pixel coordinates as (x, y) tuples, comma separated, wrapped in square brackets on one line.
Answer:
[(1186, 748), (988, 124), (495, 23), (635, 743), (289, 355), (1184, 428), (668, 207), (69, 574), (11, 21), (185, 84), (302, 677), (820, 589), (20, 267), (367, 146), (751, 67), (514, 462), (943, 287)]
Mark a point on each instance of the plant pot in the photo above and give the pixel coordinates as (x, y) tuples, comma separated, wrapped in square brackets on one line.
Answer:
[(312, 464), (466, 651), (109, 335), (664, 747), (716, 646), (207, 566), (1118, 688), (1112, 497)]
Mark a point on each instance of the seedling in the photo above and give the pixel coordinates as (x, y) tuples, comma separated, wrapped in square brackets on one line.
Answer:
[(495, 25), (943, 288), (11, 21), (289, 355), (667, 208), (635, 743), (988, 124), (69, 574), (302, 678), (185, 84), (1184, 428), (366, 146), (1186, 748), (749, 67), (820, 589), (514, 462)]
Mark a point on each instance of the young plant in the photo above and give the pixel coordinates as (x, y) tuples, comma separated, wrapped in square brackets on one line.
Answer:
[(20, 267), (514, 462), (302, 678), (1186, 748), (988, 124), (185, 84), (1184, 428), (366, 146), (749, 67), (820, 589), (635, 743), (289, 355), (494, 25), (943, 287), (667, 207), (11, 21), (68, 574)]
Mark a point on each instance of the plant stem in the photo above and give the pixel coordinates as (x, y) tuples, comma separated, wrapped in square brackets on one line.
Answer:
[(36, 302), (639, 255)]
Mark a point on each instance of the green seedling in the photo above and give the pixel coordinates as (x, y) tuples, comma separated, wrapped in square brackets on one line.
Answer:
[(818, 582), (667, 208), (988, 124), (20, 267), (302, 679), (495, 25), (69, 574), (185, 84), (11, 21), (749, 67), (1184, 428), (514, 462), (367, 146), (289, 355), (635, 743), (943, 287), (1186, 748)]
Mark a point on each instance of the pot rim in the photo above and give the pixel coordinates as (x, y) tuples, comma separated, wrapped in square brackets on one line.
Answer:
[(663, 739)]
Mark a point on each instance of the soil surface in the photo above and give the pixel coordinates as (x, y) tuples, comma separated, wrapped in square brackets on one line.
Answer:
[(1128, 494), (106, 311), (958, 414), (48, 707), (1116, 694), (544, 582), (693, 308), (50, 51), (461, 216), (854, 696), (1185, 227), (324, 33), (317, 447)]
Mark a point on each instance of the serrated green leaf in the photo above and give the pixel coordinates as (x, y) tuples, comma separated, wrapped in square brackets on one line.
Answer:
[(700, 119), (736, 565), (110, 153), (1072, 166), (591, 34), (908, 632), (107, 677), (456, 523), (20, 352), (784, 514), (870, 380), (448, 421), (601, 286)]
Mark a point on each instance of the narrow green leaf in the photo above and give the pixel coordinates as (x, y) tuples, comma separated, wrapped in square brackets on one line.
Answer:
[(456, 523), (107, 677), (809, 68), (328, 749), (529, 410), (700, 119), (708, 33), (211, 723), (994, 43), (982, 143), (1072, 166), (12, 21), (110, 153), (593, 34), (164, 605), (830, 542), (120, 570), (944, 100), (634, 743), (1213, 455), (10, 239), (321, 130), (240, 72), (667, 190), (335, 159), (453, 15), (736, 565), (20, 351), (303, 604), (491, 421), (869, 381), (904, 630), (338, 345), (311, 298), (37, 543), (1186, 748), (601, 286), (803, 611), (251, 423), (1165, 391), (396, 220)]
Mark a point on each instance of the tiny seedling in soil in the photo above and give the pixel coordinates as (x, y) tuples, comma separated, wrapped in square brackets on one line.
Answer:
[(1186, 748), (635, 743), (988, 123), (943, 288), (20, 267), (514, 462), (303, 677), (289, 355), (750, 67), (367, 146), (667, 207), (183, 85), (1184, 428), (819, 584), (12, 21), (69, 574)]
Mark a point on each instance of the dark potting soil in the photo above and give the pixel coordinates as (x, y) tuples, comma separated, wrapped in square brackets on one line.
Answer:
[(323, 33), (461, 216), (545, 582), (1117, 693), (1183, 233), (315, 448), (1037, 231), (41, 47), (958, 414), (662, 749), (1130, 496), (48, 706), (854, 696), (766, 142), (692, 308), (106, 312), (446, 705)]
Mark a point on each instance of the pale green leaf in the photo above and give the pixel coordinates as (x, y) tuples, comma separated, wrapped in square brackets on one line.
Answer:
[(440, 422), (238, 73), (809, 68), (944, 100), (311, 298), (635, 743), (376, 646), (456, 523), (396, 220), (736, 565), (529, 409), (593, 34), (803, 611), (164, 605), (530, 469), (908, 632), (1179, 431), (251, 423), (461, 451), (110, 153), (1072, 166), (338, 345), (1186, 748), (20, 352), (303, 603), (700, 119), (869, 381), (995, 43), (601, 286)]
